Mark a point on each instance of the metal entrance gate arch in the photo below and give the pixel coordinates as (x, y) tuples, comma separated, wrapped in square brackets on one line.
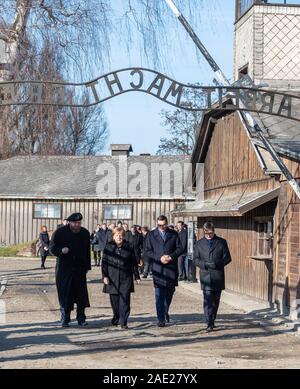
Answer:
[(165, 88)]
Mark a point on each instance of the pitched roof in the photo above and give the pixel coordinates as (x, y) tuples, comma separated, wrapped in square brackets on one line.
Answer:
[(231, 205), (70, 176), (282, 133)]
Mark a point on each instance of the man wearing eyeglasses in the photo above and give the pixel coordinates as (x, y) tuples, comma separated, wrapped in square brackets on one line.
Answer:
[(211, 254), (163, 246)]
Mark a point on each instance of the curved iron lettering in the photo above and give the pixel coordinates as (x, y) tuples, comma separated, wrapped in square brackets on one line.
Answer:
[(183, 96)]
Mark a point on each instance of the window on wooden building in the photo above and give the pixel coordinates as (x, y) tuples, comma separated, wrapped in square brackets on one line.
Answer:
[(264, 242), (118, 212), (47, 211)]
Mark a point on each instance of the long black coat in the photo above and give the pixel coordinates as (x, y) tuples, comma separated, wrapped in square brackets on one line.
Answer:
[(136, 242), (44, 242), (109, 235), (128, 235), (71, 268), (92, 239), (120, 269), (212, 262), (155, 248), (101, 237), (144, 254), (183, 236)]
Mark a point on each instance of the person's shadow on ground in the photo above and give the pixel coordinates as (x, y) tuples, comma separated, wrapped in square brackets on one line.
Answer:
[(143, 333)]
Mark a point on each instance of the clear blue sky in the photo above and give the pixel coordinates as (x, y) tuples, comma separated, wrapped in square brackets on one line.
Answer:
[(134, 117)]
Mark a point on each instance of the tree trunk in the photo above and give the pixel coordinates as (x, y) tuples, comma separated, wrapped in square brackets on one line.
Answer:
[(11, 39)]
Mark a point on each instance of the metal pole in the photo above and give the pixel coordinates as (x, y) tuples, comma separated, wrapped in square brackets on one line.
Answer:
[(245, 116)]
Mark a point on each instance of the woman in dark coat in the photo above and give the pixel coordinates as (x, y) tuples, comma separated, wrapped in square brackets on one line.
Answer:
[(44, 245), (119, 269)]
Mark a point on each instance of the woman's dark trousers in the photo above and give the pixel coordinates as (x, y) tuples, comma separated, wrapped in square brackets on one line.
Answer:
[(121, 307)]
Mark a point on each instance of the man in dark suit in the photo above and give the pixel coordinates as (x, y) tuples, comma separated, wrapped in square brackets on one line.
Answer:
[(136, 242), (163, 246), (64, 223), (182, 266), (102, 236), (95, 245), (211, 254), (127, 232)]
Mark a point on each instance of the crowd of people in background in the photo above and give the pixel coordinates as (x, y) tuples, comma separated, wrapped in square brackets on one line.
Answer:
[(136, 236)]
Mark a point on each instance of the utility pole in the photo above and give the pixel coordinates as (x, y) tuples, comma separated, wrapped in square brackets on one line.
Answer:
[(246, 117)]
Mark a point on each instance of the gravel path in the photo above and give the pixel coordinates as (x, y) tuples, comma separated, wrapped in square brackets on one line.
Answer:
[(31, 337)]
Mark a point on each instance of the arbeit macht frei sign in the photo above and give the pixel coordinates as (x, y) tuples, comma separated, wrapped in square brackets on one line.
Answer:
[(183, 96)]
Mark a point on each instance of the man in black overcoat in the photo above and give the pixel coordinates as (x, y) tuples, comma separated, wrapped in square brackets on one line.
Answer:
[(127, 232), (182, 266), (94, 245), (147, 261), (71, 245), (163, 246), (211, 254), (135, 239), (102, 236), (64, 223)]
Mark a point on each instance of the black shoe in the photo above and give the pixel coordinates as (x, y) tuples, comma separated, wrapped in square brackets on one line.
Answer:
[(161, 324), (180, 279), (114, 322), (65, 324), (144, 276), (167, 318), (82, 323), (124, 327), (209, 328)]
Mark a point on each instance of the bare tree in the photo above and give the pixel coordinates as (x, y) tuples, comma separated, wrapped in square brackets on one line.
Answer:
[(85, 131), (49, 130), (181, 129), (182, 125), (83, 30)]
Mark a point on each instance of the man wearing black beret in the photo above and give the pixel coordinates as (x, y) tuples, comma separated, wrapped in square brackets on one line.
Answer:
[(71, 245)]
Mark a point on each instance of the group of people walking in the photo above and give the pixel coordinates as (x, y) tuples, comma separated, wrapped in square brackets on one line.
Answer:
[(119, 253), (136, 236)]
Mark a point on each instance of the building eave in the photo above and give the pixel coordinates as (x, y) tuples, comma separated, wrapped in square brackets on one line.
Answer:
[(83, 198), (228, 205)]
